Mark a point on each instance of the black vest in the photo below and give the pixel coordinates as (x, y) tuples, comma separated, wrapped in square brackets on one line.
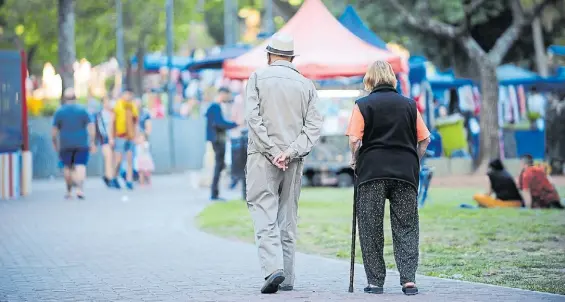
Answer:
[(389, 139)]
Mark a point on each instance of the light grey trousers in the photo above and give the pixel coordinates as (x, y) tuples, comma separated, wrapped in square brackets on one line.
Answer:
[(272, 200)]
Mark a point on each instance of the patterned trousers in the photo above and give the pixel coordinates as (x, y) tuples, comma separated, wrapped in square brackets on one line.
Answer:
[(371, 198)]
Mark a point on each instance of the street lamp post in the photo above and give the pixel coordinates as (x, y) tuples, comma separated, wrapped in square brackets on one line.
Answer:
[(170, 86), (228, 23), (120, 42), (235, 20), (269, 28)]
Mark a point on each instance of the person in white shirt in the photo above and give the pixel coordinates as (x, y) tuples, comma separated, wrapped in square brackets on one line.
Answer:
[(536, 102)]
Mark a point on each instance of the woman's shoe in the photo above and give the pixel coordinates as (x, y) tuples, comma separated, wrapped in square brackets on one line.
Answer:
[(373, 290), (410, 290)]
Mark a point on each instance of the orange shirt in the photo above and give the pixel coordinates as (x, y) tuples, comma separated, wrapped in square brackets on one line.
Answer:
[(542, 191), (356, 125)]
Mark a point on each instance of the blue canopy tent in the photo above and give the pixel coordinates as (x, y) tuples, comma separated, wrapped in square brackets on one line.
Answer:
[(512, 75), (447, 80), (215, 60), (509, 74), (558, 50), (438, 80), (153, 62), (351, 20)]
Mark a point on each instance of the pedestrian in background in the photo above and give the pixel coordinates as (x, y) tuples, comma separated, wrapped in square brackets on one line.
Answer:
[(284, 124), (105, 136), (126, 117), (145, 125), (236, 134), (143, 159), (216, 129), (206, 175), (537, 190), (388, 137), (73, 138)]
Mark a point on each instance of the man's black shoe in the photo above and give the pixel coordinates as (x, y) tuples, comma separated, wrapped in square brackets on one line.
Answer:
[(272, 282)]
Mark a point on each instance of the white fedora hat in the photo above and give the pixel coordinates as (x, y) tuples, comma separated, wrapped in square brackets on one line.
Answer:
[(281, 45)]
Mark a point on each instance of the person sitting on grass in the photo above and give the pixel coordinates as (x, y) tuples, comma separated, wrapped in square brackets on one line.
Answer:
[(503, 186), (536, 187)]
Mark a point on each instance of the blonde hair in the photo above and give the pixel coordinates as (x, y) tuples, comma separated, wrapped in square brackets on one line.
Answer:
[(379, 73)]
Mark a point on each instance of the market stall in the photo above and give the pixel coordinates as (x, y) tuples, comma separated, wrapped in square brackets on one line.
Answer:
[(322, 44), (522, 101), (449, 106), (216, 57), (155, 61)]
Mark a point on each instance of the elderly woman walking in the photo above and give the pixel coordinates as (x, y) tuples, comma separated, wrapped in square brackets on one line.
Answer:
[(387, 137)]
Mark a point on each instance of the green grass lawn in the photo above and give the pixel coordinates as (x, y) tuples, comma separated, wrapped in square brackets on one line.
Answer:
[(509, 247)]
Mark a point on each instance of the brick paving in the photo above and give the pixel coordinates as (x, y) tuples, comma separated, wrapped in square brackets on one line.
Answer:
[(146, 248)]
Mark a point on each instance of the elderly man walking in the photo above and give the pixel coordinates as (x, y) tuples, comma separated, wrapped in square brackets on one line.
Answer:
[(284, 125)]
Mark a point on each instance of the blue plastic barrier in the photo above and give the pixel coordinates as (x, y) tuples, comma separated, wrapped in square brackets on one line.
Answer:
[(530, 142)]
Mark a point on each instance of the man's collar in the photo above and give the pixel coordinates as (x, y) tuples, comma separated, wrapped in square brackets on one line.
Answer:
[(285, 64)]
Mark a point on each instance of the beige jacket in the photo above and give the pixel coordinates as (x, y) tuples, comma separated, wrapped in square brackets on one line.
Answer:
[(281, 111)]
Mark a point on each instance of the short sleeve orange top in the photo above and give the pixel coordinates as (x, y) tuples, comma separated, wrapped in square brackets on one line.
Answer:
[(542, 191), (356, 125)]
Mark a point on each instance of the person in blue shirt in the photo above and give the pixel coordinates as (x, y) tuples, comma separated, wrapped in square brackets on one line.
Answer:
[(216, 129), (73, 137), (144, 120)]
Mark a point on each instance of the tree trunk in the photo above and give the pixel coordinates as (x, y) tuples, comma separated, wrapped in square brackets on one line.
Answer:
[(67, 47), (539, 48), (489, 137), (30, 54), (129, 81), (140, 71)]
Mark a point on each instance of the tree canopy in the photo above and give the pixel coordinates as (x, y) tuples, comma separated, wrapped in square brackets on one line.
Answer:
[(34, 22), (488, 21)]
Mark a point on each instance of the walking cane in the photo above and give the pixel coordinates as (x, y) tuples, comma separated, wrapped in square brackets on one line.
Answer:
[(355, 156), (353, 234)]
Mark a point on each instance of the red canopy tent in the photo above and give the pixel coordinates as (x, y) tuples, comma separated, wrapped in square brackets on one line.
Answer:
[(326, 49)]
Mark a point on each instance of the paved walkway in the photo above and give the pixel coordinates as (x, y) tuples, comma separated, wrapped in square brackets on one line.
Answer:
[(146, 248)]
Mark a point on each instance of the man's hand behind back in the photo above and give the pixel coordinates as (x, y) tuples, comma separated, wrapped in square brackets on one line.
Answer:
[(282, 160)]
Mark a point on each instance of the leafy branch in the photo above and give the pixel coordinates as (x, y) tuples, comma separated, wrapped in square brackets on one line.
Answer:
[(460, 32)]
